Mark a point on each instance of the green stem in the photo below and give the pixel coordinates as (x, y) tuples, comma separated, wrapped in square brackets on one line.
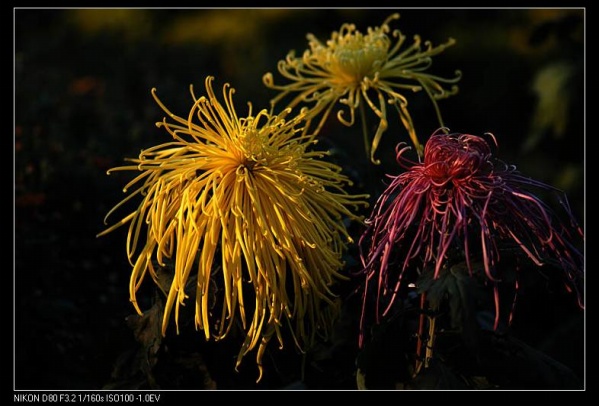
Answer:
[(365, 131), (370, 180)]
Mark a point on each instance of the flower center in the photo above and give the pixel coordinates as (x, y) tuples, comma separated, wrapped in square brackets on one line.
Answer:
[(252, 150), (453, 159), (353, 56)]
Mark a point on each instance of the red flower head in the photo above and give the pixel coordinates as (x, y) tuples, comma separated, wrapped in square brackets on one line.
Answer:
[(461, 200)]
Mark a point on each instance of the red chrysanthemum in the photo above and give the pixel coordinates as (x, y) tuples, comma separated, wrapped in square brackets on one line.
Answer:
[(461, 199)]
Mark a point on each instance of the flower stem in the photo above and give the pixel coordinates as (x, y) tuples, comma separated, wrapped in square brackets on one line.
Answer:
[(418, 365), (365, 131), (429, 341)]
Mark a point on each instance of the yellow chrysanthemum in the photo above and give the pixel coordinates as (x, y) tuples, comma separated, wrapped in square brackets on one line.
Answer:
[(250, 191), (353, 69)]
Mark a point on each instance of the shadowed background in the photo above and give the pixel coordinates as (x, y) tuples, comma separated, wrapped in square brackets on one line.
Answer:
[(83, 104)]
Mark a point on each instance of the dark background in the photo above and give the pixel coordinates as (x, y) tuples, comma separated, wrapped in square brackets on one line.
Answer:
[(83, 104)]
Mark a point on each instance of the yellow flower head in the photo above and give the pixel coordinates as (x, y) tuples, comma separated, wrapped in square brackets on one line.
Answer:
[(354, 68), (252, 211)]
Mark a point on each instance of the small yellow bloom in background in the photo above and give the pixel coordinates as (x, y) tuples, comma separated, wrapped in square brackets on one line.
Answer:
[(354, 68), (247, 206)]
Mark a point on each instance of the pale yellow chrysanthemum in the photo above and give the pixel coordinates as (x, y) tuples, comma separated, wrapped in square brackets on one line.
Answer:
[(354, 68), (246, 205)]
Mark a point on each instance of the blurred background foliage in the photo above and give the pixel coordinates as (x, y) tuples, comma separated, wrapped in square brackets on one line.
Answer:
[(82, 104)]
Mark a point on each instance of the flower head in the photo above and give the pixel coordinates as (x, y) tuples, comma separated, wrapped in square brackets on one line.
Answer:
[(248, 207), (354, 69), (462, 200)]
